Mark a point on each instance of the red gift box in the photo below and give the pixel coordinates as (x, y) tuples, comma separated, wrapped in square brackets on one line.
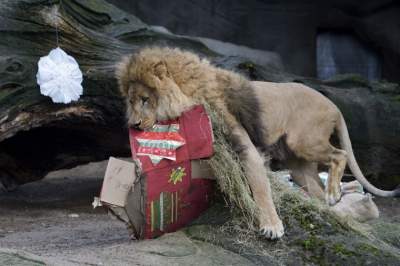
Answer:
[(173, 197)]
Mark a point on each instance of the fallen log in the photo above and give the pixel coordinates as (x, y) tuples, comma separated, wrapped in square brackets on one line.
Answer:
[(38, 136)]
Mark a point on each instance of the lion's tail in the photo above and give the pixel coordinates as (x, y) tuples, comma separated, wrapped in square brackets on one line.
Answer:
[(345, 143)]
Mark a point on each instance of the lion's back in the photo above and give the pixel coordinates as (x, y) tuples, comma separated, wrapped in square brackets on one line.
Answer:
[(292, 96), (289, 107)]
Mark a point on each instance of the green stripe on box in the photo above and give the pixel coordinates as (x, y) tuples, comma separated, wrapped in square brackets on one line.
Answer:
[(167, 208), (157, 214), (152, 216), (161, 211), (172, 208), (176, 206)]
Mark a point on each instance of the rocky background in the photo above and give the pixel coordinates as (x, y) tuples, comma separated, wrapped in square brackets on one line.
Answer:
[(364, 38), (288, 28)]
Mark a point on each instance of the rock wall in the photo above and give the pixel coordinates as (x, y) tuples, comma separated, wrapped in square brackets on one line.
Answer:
[(286, 27)]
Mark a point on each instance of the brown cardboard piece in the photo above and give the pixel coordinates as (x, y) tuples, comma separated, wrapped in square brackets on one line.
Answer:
[(118, 182)]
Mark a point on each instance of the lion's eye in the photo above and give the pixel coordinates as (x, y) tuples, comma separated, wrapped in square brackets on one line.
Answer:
[(145, 99)]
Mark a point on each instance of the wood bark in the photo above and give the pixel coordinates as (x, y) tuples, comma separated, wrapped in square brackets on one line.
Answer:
[(38, 136)]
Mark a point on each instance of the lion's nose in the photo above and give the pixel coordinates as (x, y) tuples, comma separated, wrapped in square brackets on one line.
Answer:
[(137, 125)]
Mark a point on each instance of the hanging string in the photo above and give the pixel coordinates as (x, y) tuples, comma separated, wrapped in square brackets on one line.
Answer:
[(57, 37), (57, 34)]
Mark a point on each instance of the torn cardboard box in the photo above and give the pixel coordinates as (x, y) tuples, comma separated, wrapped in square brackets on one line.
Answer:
[(174, 184), (118, 181)]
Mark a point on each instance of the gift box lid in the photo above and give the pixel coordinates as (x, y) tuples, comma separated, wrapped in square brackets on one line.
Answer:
[(186, 138)]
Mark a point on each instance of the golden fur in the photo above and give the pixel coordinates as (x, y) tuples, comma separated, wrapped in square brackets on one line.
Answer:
[(161, 83)]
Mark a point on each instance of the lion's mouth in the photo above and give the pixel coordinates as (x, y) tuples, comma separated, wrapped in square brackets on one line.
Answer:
[(136, 126), (143, 126)]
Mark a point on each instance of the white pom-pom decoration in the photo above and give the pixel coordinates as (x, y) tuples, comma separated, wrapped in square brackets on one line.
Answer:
[(59, 77)]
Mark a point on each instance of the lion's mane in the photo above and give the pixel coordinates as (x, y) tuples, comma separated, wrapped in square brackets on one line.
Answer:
[(197, 81)]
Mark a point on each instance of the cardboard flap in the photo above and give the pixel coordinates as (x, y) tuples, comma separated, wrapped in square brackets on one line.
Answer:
[(118, 181), (201, 169), (198, 133)]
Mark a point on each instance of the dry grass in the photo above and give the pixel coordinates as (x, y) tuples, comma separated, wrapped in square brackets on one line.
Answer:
[(229, 172)]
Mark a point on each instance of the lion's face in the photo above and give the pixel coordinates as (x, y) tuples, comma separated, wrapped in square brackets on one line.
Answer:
[(141, 104), (152, 93), (146, 106)]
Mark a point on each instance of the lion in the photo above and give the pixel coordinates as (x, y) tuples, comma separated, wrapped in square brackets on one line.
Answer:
[(289, 121)]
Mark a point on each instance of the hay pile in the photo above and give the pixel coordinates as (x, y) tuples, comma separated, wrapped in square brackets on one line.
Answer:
[(229, 172)]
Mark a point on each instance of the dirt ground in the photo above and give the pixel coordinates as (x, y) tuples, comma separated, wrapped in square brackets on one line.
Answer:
[(53, 219), (53, 222)]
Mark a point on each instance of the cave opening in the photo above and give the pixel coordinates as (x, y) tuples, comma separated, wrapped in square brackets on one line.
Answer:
[(30, 155), (341, 51)]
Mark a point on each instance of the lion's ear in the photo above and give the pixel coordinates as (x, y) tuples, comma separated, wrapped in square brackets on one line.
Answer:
[(161, 70)]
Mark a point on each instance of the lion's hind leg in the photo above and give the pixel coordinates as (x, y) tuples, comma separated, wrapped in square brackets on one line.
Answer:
[(321, 151), (305, 175), (338, 160)]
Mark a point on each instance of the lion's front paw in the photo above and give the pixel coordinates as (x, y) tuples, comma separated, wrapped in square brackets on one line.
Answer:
[(272, 231)]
